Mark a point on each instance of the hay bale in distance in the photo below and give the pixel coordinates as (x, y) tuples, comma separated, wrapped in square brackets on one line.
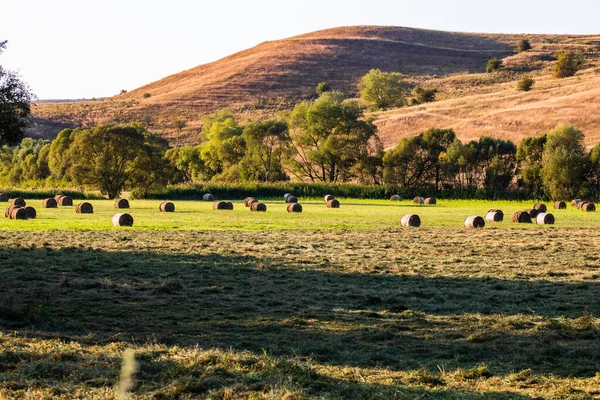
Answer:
[(249, 200), (208, 197), (560, 205), (285, 196), (30, 212), (581, 204), (521, 217), (494, 216), (418, 200), (260, 207), (166, 206), (334, 203), (533, 213), (474, 222), (291, 199), (18, 213), (429, 200), (49, 203), (589, 207), (122, 219), (329, 197), (3, 197), (223, 205), (395, 197), (84, 208), (544, 219), (65, 201), (575, 203), (294, 208), (121, 203), (541, 207), (9, 209), (410, 220), (18, 201)]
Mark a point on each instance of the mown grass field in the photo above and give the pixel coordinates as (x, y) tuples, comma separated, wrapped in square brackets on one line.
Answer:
[(327, 304)]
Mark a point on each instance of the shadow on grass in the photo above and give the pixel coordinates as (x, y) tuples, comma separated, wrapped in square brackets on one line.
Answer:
[(288, 310)]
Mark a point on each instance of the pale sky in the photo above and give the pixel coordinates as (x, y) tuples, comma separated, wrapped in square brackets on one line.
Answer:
[(69, 49)]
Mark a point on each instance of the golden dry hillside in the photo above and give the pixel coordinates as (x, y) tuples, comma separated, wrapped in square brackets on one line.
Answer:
[(271, 77)]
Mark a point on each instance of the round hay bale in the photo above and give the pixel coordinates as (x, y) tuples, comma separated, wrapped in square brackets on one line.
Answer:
[(9, 210), (84, 208), (429, 200), (49, 203), (494, 216), (208, 197), (30, 212), (533, 213), (329, 197), (121, 203), (260, 207), (223, 205), (294, 208), (410, 220), (560, 205), (18, 213), (64, 201), (3, 197), (334, 203), (229, 205), (521, 217), (122, 219), (575, 202), (541, 207), (589, 207), (418, 200), (56, 197), (395, 197), (291, 199), (581, 204), (249, 200), (474, 222), (285, 196), (18, 201), (545, 219), (166, 206)]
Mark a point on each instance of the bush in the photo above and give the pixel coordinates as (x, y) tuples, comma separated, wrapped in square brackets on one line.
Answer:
[(567, 63), (421, 95), (525, 84), (322, 87), (523, 45), (493, 65)]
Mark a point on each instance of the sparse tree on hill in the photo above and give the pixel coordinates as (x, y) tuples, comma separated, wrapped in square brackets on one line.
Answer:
[(421, 95), (383, 90), (493, 65), (567, 63), (523, 45), (525, 84), (322, 87)]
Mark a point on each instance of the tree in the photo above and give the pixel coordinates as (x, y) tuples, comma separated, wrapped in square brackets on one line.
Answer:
[(223, 146), (383, 90), (493, 65), (567, 63), (523, 45), (105, 157), (266, 146), (322, 87), (187, 164), (15, 105), (564, 162), (529, 161), (421, 95), (525, 84), (153, 170)]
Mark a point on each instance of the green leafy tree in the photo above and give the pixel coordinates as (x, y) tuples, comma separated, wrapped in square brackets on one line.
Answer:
[(523, 45), (564, 162), (529, 161), (594, 159), (266, 147), (223, 147), (567, 63), (58, 156), (187, 164), (421, 95), (493, 65), (525, 84), (15, 105), (327, 138), (153, 169), (383, 90), (322, 87)]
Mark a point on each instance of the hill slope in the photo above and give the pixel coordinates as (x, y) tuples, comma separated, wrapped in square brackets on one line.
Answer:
[(272, 76)]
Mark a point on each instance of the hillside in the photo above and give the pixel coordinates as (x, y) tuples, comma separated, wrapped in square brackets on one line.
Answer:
[(272, 76)]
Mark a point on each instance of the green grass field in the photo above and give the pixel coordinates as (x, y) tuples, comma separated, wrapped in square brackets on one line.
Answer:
[(328, 304)]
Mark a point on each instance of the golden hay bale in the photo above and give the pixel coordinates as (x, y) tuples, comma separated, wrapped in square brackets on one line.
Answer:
[(64, 201), (541, 207), (575, 202), (560, 205), (521, 217), (49, 203), (121, 203), (545, 219), (229, 205), (589, 207), (395, 197), (328, 197), (9, 210), (84, 208), (249, 200), (122, 219), (418, 200), (18, 213), (291, 199), (166, 206), (429, 200), (533, 213), (31, 213), (208, 197), (18, 201), (3, 197), (474, 222), (334, 203), (494, 216), (222, 205), (581, 204), (410, 220), (294, 208), (256, 206)]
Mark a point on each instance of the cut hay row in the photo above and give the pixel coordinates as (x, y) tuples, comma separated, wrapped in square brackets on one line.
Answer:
[(474, 222), (166, 206), (84, 208), (410, 220), (121, 203)]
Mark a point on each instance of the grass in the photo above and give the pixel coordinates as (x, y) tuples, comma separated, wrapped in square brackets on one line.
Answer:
[(350, 308)]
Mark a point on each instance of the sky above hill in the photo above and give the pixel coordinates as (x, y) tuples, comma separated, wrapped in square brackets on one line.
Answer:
[(67, 49)]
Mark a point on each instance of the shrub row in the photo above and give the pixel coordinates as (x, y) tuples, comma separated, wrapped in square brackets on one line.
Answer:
[(46, 193)]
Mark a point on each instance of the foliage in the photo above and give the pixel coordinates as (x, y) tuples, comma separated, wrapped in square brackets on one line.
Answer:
[(421, 95), (153, 169), (322, 87), (493, 65), (223, 146), (525, 84), (529, 160), (15, 104), (266, 147), (523, 45), (567, 63), (383, 90)]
